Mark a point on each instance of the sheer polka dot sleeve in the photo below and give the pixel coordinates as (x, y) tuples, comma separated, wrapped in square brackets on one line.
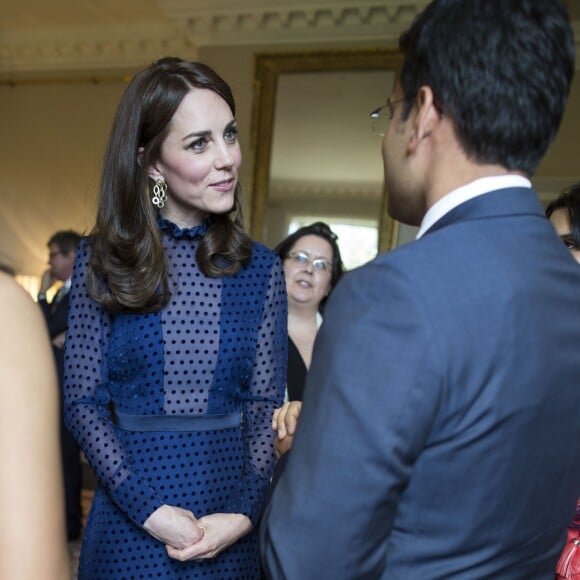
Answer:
[(87, 398), (265, 392)]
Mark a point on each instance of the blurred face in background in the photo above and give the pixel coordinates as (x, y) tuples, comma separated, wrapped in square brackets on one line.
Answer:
[(308, 270), (561, 222), (61, 264)]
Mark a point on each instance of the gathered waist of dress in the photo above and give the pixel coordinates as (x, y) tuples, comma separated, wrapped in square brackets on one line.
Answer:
[(129, 422)]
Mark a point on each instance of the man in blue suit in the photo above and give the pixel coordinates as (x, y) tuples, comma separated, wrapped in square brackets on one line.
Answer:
[(440, 431)]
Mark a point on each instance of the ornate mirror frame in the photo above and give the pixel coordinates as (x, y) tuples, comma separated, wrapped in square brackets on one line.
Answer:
[(267, 69)]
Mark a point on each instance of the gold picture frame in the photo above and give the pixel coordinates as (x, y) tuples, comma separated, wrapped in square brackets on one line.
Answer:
[(267, 69)]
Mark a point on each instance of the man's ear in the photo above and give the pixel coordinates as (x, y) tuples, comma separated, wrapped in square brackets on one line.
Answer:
[(426, 119)]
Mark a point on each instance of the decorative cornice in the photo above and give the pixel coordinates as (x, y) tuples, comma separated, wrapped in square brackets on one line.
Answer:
[(186, 25), (225, 22), (90, 49)]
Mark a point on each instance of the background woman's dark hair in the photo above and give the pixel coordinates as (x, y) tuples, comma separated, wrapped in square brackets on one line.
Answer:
[(322, 230), (569, 200), (127, 270)]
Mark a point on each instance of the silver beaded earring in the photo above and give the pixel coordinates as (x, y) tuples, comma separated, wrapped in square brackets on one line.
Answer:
[(159, 193)]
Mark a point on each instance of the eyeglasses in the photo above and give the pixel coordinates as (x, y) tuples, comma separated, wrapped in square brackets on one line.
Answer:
[(302, 259), (380, 117)]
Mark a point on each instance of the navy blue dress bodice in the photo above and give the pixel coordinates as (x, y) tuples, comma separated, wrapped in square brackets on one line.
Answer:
[(218, 347)]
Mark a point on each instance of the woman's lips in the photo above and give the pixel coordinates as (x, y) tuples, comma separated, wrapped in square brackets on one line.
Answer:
[(224, 185), (304, 283)]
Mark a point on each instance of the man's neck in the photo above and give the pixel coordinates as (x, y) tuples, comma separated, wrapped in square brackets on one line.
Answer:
[(467, 192), (451, 178)]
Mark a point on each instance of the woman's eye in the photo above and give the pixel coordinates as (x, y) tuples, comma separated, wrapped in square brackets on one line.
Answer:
[(231, 134), (198, 144), (570, 244)]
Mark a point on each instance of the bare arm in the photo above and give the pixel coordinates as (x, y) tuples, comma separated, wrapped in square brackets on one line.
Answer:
[(32, 537)]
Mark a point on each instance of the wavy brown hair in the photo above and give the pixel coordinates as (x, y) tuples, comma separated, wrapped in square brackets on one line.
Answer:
[(127, 269)]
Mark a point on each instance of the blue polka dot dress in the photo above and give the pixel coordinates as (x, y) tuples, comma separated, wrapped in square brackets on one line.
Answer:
[(214, 357)]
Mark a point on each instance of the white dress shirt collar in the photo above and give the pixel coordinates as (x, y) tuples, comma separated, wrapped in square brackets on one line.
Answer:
[(465, 193)]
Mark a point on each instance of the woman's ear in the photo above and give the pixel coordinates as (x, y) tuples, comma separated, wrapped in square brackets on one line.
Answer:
[(152, 171), (154, 174)]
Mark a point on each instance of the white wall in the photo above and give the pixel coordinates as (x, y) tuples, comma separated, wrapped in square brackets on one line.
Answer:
[(52, 137)]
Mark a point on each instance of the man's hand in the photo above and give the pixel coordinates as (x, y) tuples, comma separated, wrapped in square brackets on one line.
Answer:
[(284, 422)]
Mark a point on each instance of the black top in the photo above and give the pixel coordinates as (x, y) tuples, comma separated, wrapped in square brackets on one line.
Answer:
[(296, 376)]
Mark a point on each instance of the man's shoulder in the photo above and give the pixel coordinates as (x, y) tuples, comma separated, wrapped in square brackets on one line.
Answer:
[(402, 260), (388, 279)]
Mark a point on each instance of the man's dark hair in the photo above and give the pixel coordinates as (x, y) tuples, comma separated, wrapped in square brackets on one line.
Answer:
[(569, 200), (66, 240), (499, 69)]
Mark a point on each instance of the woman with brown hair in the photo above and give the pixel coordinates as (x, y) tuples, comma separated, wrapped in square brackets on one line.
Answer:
[(176, 344)]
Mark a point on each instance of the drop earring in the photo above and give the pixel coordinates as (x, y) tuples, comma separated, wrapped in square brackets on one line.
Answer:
[(159, 193)]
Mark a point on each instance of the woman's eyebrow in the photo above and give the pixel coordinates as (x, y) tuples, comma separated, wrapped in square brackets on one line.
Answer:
[(204, 133)]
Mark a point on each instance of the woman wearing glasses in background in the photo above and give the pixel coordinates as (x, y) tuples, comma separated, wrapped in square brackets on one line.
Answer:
[(312, 266)]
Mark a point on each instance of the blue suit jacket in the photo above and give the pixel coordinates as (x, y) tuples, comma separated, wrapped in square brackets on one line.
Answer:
[(440, 433)]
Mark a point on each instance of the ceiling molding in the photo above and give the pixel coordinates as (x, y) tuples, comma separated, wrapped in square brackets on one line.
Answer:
[(227, 22), (91, 51), (185, 25), (180, 27)]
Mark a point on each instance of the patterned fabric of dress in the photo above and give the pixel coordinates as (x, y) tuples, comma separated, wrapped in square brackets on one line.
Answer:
[(218, 347)]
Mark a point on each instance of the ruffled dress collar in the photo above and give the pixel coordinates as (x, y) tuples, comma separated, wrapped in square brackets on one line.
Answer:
[(178, 233)]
